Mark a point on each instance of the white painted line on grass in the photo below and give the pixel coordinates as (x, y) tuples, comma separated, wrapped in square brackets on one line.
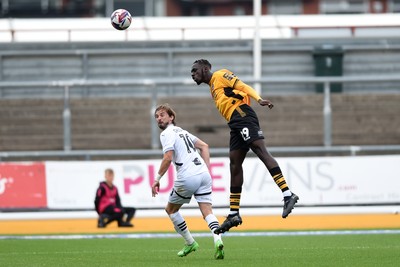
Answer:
[(206, 234)]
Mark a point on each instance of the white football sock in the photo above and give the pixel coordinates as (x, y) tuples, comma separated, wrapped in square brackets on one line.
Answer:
[(181, 227), (287, 193), (213, 224)]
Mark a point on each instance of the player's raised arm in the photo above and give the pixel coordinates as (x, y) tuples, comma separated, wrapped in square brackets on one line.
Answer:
[(204, 151), (241, 86)]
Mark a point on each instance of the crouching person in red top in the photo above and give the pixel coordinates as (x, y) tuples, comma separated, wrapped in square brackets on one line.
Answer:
[(108, 204)]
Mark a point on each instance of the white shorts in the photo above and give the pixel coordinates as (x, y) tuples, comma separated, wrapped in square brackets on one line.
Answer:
[(199, 185)]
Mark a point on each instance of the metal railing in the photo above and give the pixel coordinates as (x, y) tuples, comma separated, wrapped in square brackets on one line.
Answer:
[(215, 152), (190, 28), (152, 84)]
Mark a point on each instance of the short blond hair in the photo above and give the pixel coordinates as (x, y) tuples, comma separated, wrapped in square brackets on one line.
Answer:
[(109, 171)]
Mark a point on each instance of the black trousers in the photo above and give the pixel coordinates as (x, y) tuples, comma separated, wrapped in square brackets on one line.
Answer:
[(114, 213)]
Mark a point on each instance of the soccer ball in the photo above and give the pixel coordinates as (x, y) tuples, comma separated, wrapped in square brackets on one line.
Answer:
[(121, 19)]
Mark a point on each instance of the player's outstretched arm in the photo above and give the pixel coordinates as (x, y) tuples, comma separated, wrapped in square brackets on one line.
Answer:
[(165, 163)]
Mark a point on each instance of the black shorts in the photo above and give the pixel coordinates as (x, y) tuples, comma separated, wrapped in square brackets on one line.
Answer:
[(245, 128)]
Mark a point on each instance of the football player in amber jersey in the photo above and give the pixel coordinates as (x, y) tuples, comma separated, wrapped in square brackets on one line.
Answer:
[(232, 99)]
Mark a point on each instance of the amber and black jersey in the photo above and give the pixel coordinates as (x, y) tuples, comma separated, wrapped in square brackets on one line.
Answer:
[(229, 92)]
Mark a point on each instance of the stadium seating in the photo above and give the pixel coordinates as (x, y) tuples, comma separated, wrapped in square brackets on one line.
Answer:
[(367, 119), (119, 117), (125, 123), (31, 124), (108, 123), (149, 60)]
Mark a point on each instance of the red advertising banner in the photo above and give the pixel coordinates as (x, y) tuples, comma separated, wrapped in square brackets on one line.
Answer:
[(22, 185)]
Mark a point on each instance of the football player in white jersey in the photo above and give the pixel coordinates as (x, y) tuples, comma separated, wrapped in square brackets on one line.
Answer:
[(191, 158)]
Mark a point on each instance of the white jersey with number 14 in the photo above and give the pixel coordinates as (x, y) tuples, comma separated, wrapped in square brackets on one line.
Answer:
[(187, 160)]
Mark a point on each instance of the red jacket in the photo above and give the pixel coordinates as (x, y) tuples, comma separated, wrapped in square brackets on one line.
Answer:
[(106, 196)]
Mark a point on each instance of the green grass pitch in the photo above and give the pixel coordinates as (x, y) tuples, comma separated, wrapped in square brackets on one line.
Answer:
[(309, 250)]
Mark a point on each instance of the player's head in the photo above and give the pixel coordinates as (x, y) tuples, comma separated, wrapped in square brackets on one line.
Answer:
[(201, 71), (164, 116), (109, 175)]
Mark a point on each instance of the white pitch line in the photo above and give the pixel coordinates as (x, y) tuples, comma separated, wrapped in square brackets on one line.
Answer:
[(174, 235)]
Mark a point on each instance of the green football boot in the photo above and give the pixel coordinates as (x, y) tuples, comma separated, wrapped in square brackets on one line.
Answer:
[(219, 250), (188, 248)]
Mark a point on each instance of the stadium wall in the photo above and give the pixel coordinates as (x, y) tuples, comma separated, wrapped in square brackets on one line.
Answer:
[(320, 182), (196, 28)]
